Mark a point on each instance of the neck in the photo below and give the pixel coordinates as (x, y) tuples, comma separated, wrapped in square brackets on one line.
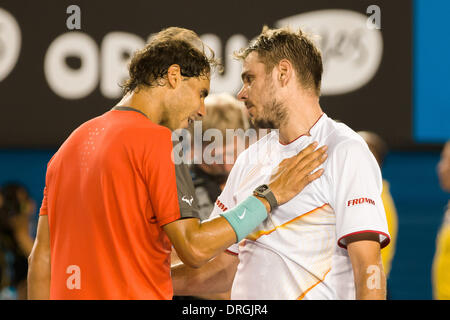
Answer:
[(301, 118), (148, 102)]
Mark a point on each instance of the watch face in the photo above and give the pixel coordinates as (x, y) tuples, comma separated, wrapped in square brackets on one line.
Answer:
[(262, 188)]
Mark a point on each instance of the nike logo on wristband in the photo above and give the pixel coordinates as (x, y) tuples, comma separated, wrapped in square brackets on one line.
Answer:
[(243, 214)]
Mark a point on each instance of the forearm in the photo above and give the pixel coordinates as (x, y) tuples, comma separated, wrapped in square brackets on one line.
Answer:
[(197, 242), (214, 277), (365, 256), (38, 277), (210, 238), (370, 284), (214, 236)]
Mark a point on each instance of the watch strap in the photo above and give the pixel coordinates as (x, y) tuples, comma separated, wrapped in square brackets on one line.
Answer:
[(268, 195)]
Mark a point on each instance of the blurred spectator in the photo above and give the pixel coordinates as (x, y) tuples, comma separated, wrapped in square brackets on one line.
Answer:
[(441, 262), (223, 112), (379, 150), (16, 209)]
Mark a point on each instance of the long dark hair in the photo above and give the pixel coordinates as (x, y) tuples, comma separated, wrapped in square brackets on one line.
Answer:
[(170, 46)]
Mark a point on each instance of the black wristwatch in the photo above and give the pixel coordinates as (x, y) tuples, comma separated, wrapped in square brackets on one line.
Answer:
[(264, 191)]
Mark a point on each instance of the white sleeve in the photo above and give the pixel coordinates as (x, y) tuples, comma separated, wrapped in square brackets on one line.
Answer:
[(225, 200), (356, 193)]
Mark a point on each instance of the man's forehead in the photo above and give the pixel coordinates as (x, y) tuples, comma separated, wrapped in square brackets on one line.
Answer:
[(201, 83), (204, 84), (251, 58), (252, 63), (206, 81)]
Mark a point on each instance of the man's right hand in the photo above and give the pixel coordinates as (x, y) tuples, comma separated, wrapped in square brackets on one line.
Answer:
[(294, 174), (197, 242)]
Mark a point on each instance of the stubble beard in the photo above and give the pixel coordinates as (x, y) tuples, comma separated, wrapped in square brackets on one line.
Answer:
[(274, 113)]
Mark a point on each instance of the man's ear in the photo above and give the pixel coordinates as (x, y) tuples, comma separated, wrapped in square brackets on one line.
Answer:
[(174, 76), (285, 71)]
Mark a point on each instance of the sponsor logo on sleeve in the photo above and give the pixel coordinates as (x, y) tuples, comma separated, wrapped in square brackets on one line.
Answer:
[(362, 200), (221, 205), (188, 201)]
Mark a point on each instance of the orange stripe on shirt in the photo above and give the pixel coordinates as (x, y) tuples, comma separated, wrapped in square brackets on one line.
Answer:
[(256, 235), (309, 289)]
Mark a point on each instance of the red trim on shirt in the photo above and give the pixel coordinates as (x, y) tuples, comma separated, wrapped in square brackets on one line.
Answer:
[(231, 252), (383, 244), (285, 144)]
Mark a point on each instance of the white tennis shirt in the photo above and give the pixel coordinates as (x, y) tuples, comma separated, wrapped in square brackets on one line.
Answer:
[(300, 252)]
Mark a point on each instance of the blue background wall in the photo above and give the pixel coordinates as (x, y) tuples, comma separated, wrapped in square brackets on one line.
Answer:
[(431, 71), (420, 206), (414, 186)]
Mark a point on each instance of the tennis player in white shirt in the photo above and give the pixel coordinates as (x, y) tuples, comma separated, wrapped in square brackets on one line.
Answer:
[(324, 243)]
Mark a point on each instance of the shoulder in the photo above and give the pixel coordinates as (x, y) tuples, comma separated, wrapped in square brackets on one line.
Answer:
[(158, 131), (342, 140), (145, 125), (347, 149), (262, 142), (147, 133), (132, 121)]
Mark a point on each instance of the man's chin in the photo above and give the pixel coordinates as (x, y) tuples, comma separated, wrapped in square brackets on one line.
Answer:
[(263, 124), (186, 125), (172, 127), (167, 126)]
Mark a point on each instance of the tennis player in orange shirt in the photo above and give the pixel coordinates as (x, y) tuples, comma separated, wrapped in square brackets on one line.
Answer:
[(114, 200)]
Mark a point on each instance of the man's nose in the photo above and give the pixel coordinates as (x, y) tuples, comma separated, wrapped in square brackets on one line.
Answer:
[(202, 111), (242, 94)]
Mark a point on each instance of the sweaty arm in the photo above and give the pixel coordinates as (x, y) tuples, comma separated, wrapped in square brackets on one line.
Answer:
[(39, 263), (214, 277), (365, 256), (361, 224), (197, 242)]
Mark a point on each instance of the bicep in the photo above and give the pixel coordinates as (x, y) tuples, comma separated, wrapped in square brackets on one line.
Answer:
[(169, 184)]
